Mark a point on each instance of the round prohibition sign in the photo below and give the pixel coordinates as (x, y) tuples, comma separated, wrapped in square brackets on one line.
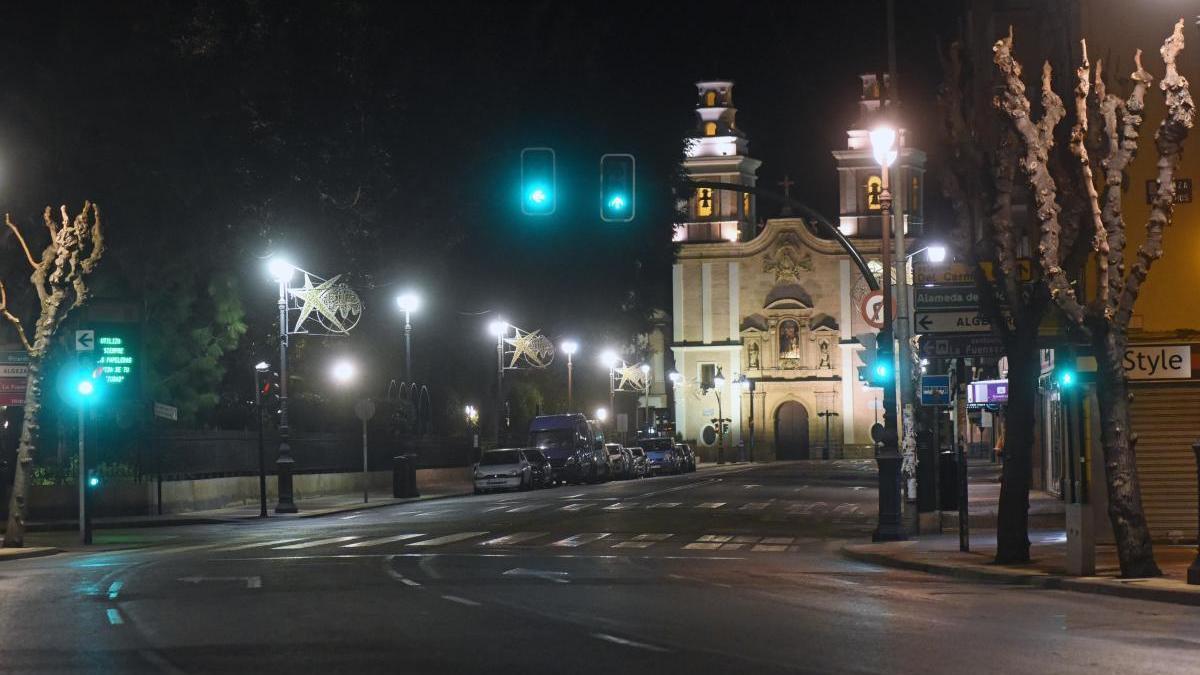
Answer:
[(871, 309)]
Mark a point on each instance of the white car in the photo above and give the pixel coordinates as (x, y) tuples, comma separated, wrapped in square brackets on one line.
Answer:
[(503, 470)]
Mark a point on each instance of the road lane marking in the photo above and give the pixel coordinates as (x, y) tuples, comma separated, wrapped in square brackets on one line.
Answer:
[(577, 506), (621, 506), (114, 588), (710, 505), (461, 601), (746, 540), (313, 544), (732, 547), (769, 548), (251, 582), (574, 496), (400, 577), (581, 539), (778, 540), (663, 505), (384, 540), (633, 544), (629, 643), (703, 546), (514, 538), (653, 536), (524, 508), (258, 544), (448, 539), (114, 616), (550, 575), (719, 538), (754, 506), (686, 486)]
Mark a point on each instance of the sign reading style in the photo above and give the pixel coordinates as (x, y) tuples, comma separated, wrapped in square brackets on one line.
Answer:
[(1158, 362)]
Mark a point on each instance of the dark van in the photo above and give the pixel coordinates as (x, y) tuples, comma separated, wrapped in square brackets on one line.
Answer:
[(569, 442)]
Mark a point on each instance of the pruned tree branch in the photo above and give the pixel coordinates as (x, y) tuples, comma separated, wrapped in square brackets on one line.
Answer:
[(20, 239), (1038, 139), (1079, 149), (12, 318), (1168, 141)]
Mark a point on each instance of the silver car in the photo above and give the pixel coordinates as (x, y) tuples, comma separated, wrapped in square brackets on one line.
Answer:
[(618, 460), (503, 470)]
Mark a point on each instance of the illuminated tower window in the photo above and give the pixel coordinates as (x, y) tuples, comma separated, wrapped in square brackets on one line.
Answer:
[(704, 203), (745, 204), (710, 128), (874, 188), (710, 99)]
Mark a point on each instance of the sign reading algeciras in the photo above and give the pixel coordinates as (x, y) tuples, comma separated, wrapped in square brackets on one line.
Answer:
[(14, 372)]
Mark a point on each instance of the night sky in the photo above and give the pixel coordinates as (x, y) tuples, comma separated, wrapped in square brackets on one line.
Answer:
[(382, 139)]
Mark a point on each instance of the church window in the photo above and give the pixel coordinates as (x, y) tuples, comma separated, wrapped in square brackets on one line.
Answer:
[(746, 205), (710, 128), (704, 203), (874, 189), (708, 372), (914, 195), (710, 98)]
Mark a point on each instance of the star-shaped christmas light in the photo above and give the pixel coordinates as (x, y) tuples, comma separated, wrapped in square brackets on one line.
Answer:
[(631, 375), (313, 299), (534, 347)]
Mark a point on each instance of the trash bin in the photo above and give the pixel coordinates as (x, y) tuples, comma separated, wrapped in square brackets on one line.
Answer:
[(947, 480), (404, 477)]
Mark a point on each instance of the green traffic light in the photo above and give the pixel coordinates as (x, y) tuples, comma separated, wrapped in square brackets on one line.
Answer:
[(85, 388), (1066, 379), (617, 203), (881, 373), (538, 196), (93, 481)]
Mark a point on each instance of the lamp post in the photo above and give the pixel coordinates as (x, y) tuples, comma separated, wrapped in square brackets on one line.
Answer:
[(498, 328), (85, 390), (718, 383), (602, 415), (610, 359), (748, 386), (472, 415), (646, 389), (887, 454), (343, 373), (260, 368), (569, 348), (281, 270), (408, 302)]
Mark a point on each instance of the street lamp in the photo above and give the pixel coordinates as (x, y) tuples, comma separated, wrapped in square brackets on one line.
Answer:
[(748, 386), (646, 388), (610, 360), (408, 302), (282, 270), (260, 368), (569, 348), (934, 253), (498, 328), (887, 454), (718, 383), (344, 372), (602, 414)]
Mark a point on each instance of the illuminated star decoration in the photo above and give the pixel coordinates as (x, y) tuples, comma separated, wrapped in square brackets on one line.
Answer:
[(535, 348), (631, 376), (332, 302)]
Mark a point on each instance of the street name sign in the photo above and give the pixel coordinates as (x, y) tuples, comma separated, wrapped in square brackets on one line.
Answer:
[(961, 274), (933, 298), (166, 412), (961, 346), (951, 322), (14, 370), (935, 390), (16, 356)]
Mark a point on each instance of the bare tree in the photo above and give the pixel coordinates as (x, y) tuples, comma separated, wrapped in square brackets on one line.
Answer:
[(1104, 319), (60, 280)]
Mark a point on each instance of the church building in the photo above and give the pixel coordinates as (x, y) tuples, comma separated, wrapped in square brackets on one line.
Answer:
[(764, 315)]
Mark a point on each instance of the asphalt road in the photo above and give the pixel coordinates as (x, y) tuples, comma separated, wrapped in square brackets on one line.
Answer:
[(726, 570)]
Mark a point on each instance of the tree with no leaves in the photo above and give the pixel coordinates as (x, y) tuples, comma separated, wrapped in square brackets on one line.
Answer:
[(1104, 318), (60, 280)]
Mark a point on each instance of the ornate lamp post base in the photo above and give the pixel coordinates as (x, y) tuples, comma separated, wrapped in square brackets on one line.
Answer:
[(283, 468)]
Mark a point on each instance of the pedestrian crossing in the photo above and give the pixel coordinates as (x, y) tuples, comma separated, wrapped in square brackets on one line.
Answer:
[(847, 510), (481, 540)]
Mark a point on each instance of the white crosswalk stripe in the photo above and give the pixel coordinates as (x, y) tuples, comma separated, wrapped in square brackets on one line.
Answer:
[(514, 538), (314, 543), (448, 539), (663, 505), (754, 506), (644, 540), (710, 505), (258, 544), (384, 540), (525, 507), (581, 539), (621, 506), (578, 506)]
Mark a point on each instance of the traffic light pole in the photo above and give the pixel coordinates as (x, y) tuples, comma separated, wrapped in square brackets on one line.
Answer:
[(887, 454), (262, 457), (284, 463), (85, 516)]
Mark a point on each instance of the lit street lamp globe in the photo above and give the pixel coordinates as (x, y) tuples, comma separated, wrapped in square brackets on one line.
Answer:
[(281, 270), (602, 414), (609, 358), (883, 145), (936, 253), (343, 371), (498, 327), (408, 301), (569, 347)]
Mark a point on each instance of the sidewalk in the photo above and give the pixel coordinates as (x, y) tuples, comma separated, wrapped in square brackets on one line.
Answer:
[(1046, 511), (939, 554), (313, 507)]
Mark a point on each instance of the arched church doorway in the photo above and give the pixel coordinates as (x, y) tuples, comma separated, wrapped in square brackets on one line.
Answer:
[(791, 431)]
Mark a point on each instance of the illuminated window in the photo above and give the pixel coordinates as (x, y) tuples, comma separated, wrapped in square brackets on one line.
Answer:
[(914, 195), (745, 204), (708, 372), (710, 99), (710, 128), (704, 202), (874, 188)]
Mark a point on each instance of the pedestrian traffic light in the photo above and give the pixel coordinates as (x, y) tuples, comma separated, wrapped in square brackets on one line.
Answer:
[(617, 190), (877, 370), (93, 479), (538, 181), (1066, 377), (881, 371)]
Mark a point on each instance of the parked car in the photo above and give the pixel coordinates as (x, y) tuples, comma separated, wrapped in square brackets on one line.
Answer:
[(543, 474), (687, 455), (639, 461), (616, 459), (568, 441), (661, 457), (503, 470)]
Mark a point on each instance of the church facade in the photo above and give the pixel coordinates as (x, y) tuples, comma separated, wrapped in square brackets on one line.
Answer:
[(764, 316)]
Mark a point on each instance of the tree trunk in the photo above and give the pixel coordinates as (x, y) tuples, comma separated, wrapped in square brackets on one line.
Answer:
[(1134, 550), (1012, 524), (14, 535)]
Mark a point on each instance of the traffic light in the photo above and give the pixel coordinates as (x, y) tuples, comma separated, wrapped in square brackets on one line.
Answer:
[(1066, 377), (617, 191), (538, 181), (93, 479), (877, 370)]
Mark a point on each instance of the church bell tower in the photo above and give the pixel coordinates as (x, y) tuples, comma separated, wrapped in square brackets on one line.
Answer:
[(718, 151)]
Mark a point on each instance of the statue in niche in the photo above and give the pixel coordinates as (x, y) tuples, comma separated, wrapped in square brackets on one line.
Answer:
[(753, 358), (824, 361), (789, 340)]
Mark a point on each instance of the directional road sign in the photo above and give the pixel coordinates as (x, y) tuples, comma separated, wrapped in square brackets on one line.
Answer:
[(951, 322), (14, 370), (85, 340), (957, 273), (960, 346), (167, 412)]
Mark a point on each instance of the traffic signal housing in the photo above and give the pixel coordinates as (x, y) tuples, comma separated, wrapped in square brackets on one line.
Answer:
[(877, 370), (618, 194), (538, 181)]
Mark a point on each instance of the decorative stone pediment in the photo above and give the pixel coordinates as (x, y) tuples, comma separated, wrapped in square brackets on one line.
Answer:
[(788, 296), (787, 263)]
